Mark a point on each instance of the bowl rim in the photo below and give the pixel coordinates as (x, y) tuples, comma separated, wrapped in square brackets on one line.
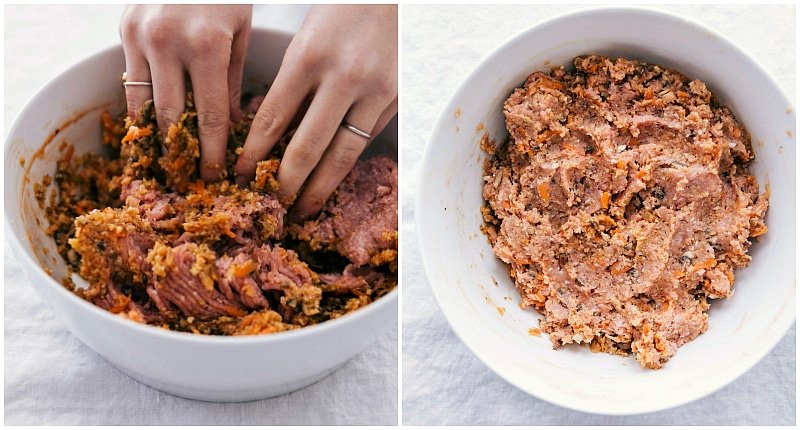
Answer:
[(123, 323), (426, 165)]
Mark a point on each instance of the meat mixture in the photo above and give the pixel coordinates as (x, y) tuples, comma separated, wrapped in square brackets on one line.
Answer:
[(622, 203), (159, 246)]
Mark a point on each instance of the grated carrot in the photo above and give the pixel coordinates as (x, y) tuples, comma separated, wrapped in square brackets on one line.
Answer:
[(135, 133), (544, 191), (619, 268), (229, 233), (706, 264), (549, 83), (729, 275), (242, 270), (546, 135), (196, 187), (605, 199), (178, 163)]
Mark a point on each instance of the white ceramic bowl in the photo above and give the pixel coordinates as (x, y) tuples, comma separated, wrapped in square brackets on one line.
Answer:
[(195, 366), (462, 269)]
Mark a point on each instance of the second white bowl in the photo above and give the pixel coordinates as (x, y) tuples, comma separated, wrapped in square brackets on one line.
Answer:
[(471, 285)]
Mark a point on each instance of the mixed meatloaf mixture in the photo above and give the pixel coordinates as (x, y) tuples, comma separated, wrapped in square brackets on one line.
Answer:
[(621, 203), (159, 246)]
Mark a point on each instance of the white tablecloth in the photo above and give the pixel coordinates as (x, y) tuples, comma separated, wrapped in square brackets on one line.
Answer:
[(50, 376), (443, 383)]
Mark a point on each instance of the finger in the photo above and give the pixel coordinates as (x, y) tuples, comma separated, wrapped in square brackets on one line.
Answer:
[(169, 91), (384, 119), (236, 70), (209, 75), (137, 69), (312, 138), (277, 110), (338, 160)]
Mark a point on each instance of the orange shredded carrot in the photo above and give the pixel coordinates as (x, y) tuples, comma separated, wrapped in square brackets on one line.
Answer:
[(242, 270), (729, 275), (619, 268), (135, 133), (648, 95), (621, 164), (197, 187), (758, 231), (706, 264), (605, 199), (549, 83), (120, 305), (546, 135), (178, 164), (229, 233), (544, 191)]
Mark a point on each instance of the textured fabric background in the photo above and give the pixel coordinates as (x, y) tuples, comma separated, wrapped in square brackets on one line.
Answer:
[(50, 376), (443, 383)]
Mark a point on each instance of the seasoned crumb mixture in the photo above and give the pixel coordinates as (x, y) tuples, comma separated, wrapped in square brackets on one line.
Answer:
[(159, 246), (622, 203)]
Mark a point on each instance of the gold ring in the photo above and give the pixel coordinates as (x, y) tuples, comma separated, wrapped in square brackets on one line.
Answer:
[(134, 83)]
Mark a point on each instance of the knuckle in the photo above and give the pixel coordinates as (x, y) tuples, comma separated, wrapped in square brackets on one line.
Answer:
[(304, 55), (344, 158), (353, 74), (307, 151), (235, 97), (212, 121), (266, 122), (127, 28), (209, 40), (203, 42), (159, 32), (385, 87), (167, 115), (133, 107)]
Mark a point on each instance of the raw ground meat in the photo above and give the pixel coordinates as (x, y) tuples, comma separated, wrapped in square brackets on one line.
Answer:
[(159, 246), (362, 229), (622, 203)]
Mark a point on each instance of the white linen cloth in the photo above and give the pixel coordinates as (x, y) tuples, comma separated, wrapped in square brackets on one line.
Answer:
[(443, 383), (50, 376)]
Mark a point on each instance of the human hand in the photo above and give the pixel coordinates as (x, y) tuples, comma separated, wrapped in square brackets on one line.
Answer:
[(164, 43), (344, 59)]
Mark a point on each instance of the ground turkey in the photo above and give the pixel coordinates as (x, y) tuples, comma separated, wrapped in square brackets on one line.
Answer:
[(621, 203)]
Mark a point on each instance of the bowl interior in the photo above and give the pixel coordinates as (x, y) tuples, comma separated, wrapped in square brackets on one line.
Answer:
[(68, 110), (473, 287)]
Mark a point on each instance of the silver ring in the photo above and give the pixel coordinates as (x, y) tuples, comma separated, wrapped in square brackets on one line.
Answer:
[(356, 130), (134, 83)]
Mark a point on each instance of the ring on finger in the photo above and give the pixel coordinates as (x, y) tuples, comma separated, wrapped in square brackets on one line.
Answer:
[(356, 130), (126, 83)]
